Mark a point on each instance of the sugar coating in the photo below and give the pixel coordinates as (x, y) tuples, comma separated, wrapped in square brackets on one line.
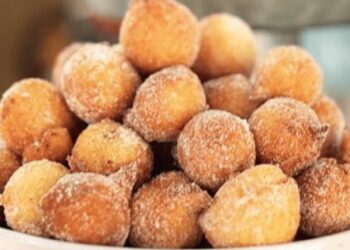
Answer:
[(98, 82), (165, 212), (325, 198), (165, 102), (343, 154), (231, 93), (89, 208), (9, 163), (159, 33), (23, 192), (107, 146), (227, 47), (30, 107), (288, 133), (213, 146), (287, 71), (258, 207), (54, 145), (329, 113)]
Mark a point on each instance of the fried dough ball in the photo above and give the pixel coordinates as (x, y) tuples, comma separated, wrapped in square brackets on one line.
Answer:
[(23, 192), (325, 198), (165, 102), (287, 132), (98, 82), (213, 146), (344, 151), (287, 71), (165, 212), (261, 206), (227, 47), (61, 59), (54, 145), (107, 146), (90, 208), (9, 163), (329, 113), (28, 109), (159, 33), (231, 93)]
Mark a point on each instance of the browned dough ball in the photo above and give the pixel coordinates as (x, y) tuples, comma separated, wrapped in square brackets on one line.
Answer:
[(23, 192), (98, 82), (287, 71), (9, 163), (288, 133), (165, 102), (344, 151), (159, 33), (165, 212), (61, 59), (231, 93), (54, 145), (227, 47), (107, 146), (258, 207), (28, 109), (329, 113), (325, 197), (213, 146), (90, 208)]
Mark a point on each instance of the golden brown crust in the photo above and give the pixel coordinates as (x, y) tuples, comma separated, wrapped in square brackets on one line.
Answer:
[(165, 102), (9, 163), (287, 71), (344, 151), (258, 207), (150, 29), (325, 197), (227, 47), (165, 212), (287, 132)]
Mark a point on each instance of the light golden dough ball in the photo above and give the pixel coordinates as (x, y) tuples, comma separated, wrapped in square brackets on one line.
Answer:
[(325, 198), (98, 82), (231, 93), (287, 71), (287, 133), (165, 102), (107, 146), (23, 192), (29, 108), (159, 33), (227, 47), (258, 207), (165, 212), (9, 163)]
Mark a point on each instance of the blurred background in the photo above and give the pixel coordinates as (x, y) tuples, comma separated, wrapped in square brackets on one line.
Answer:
[(33, 32)]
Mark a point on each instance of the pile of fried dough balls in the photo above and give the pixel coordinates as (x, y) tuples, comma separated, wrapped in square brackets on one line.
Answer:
[(175, 138)]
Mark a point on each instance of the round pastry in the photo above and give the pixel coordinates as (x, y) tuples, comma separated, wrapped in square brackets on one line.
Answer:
[(165, 212), (90, 208), (23, 192), (287, 71), (28, 109), (231, 93), (213, 146), (227, 47), (258, 207), (9, 163), (344, 151), (329, 113), (325, 198), (107, 146), (98, 82), (165, 102), (159, 33), (54, 145), (287, 132)]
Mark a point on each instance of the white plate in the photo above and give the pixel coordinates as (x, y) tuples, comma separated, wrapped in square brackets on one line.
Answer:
[(10, 240)]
